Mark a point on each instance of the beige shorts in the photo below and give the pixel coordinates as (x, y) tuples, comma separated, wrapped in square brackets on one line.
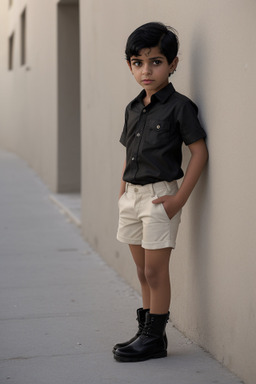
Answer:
[(143, 223)]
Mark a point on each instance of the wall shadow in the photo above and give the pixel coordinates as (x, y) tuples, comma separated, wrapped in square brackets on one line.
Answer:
[(200, 201)]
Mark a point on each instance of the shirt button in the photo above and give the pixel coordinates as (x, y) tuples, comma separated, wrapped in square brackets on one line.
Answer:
[(138, 134), (158, 126), (133, 158), (144, 110)]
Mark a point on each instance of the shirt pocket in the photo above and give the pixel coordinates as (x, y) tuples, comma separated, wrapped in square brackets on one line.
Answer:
[(157, 133)]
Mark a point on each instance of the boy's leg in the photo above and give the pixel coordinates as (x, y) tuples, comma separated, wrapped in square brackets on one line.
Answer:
[(152, 266), (138, 254), (158, 279), (153, 273)]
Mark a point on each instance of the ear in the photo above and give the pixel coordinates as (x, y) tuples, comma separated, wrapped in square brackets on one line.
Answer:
[(129, 65), (174, 64)]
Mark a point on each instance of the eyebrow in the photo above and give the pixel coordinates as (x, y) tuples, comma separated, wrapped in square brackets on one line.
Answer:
[(151, 58)]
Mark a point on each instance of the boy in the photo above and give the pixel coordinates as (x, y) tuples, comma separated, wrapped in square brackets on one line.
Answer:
[(157, 122)]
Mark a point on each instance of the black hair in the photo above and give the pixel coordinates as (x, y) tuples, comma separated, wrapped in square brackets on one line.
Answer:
[(151, 35)]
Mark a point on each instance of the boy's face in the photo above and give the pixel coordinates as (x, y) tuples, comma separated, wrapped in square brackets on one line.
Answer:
[(151, 69)]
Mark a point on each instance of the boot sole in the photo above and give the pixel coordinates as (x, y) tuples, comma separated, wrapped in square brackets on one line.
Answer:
[(130, 359)]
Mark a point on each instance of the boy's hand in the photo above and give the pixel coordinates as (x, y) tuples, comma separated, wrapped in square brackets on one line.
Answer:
[(171, 204)]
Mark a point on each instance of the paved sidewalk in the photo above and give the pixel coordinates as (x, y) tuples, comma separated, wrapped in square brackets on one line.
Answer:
[(62, 308)]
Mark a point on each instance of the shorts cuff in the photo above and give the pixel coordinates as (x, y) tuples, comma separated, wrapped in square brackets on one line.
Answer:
[(159, 245), (128, 241)]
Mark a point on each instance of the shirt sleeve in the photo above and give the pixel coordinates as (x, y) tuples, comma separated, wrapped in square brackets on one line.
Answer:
[(189, 125)]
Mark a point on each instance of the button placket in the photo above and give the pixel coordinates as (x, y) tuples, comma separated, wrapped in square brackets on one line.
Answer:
[(137, 140)]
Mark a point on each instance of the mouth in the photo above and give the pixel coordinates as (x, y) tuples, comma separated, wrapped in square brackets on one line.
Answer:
[(147, 81)]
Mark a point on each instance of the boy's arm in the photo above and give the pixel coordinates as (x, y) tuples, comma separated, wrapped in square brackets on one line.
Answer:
[(122, 187), (199, 156)]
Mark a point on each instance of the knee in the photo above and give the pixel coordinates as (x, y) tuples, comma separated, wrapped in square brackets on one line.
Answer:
[(141, 275), (152, 277)]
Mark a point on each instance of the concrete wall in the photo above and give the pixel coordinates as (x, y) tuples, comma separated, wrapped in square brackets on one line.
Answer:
[(28, 92), (213, 268), (214, 264), (40, 101)]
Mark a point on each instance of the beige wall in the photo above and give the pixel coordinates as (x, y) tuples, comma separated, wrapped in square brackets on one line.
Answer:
[(40, 106), (213, 267), (28, 94)]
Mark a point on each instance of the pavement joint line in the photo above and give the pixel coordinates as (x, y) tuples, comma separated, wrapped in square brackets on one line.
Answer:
[(45, 356), (65, 210), (45, 316)]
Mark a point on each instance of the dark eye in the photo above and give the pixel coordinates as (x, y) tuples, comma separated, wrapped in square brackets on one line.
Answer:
[(137, 63), (157, 62)]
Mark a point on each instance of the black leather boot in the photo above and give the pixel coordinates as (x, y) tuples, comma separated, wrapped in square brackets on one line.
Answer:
[(151, 344), (141, 318)]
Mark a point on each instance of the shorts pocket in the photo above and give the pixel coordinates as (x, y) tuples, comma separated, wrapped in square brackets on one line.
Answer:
[(164, 211), (158, 211), (170, 190), (121, 198)]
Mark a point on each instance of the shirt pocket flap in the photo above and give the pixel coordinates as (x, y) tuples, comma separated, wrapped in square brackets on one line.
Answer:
[(157, 132)]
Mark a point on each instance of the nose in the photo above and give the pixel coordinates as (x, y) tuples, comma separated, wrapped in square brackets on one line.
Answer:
[(146, 68)]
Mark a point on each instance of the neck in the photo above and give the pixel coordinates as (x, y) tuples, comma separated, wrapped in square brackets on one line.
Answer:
[(147, 100)]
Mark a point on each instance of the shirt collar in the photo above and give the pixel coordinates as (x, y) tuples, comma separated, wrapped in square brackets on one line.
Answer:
[(161, 95), (164, 93)]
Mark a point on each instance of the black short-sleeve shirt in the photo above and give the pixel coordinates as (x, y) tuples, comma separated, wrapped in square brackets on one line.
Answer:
[(153, 136)]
